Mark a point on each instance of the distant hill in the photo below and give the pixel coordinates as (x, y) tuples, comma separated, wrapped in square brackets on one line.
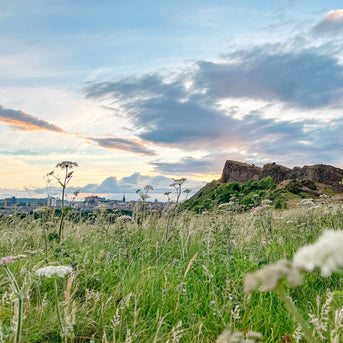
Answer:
[(246, 185), (241, 172)]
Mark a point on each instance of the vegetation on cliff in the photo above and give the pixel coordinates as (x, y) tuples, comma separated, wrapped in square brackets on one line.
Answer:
[(242, 195)]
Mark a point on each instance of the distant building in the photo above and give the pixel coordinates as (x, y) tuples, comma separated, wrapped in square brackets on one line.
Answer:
[(50, 202), (9, 201), (93, 200), (124, 198)]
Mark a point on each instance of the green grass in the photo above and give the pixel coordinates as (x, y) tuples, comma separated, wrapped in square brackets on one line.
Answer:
[(196, 276)]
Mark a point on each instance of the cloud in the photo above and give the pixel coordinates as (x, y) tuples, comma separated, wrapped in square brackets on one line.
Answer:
[(21, 153), (189, 165), (331, 23), (22, 121), (303, 79), (184, 112), (132, 145), (133, 182)]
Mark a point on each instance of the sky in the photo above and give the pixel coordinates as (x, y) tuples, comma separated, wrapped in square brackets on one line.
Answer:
[(142, 91)]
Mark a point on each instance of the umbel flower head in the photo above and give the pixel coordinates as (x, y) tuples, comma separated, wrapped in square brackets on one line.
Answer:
[(51, 271), (269, 277), (326, 253), (239, 337), (66, 164)]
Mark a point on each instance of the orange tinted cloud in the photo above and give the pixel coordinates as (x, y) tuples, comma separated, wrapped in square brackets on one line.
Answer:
[(22, 121)]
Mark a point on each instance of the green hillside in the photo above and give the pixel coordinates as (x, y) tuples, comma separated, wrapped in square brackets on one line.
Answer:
[(244, 196)]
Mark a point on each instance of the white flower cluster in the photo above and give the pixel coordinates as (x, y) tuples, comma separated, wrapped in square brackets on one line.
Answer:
[(326, 253), (306, 202), (50, 271), (124, 218), (269, 276), (239, 337)]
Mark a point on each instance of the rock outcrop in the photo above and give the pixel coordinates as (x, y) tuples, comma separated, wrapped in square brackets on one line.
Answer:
[(241, 172), (235, 171), (278, 172)]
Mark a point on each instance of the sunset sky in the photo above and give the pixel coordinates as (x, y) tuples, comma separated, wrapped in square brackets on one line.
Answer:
[(140, 91)]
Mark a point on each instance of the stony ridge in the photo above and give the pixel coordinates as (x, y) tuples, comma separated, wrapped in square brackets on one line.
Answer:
[(235, 171)]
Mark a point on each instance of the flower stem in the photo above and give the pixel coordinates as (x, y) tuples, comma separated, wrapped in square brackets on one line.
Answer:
[(295, 312), (58, 310), (20, 297)]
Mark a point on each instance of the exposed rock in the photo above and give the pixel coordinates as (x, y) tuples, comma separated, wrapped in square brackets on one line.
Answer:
[(276, 171), (241, 172), (321, 173)]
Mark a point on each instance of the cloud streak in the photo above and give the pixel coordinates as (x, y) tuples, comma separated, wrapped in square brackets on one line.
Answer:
[(22, 121), (131, 145)]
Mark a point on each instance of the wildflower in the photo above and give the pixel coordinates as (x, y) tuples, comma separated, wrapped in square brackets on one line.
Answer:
[(148, 188), (145, 196), (305, 202), (326, 253), (33, 252), (167, 194), (41, 210), (125, 302), (267, 202), (256, 209), (269, 276), (236, 313), (297, 334), (320, 321), (50, 271), (124, 218), (10, 259), (66, 164), (239, 337), (116, 319), (176, 333), (225, 204)]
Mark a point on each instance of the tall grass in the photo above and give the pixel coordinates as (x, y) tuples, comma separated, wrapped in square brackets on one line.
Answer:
[(131, 285)]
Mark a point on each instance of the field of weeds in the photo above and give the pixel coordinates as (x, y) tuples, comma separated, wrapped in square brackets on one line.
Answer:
[(217, 276)]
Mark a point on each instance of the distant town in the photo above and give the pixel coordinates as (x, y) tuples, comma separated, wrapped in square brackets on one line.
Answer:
[(11, 205)]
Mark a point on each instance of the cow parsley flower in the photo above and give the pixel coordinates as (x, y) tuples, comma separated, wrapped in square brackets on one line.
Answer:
[(326, 253), (269, 276), (50, 271)]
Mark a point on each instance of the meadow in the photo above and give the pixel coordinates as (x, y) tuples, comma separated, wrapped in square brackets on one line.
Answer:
[(175, 277)]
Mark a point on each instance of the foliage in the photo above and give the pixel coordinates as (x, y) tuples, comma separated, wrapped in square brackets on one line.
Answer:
[(248, 194), (127, 285)]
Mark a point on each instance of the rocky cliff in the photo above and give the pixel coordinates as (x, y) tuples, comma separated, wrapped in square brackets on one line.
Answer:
[(241, 172)]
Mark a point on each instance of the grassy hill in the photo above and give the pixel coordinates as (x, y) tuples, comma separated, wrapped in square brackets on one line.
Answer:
[(244, 196)]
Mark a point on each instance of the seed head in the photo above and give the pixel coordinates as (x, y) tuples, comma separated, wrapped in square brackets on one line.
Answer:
[(66, 164), (10, 259)]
